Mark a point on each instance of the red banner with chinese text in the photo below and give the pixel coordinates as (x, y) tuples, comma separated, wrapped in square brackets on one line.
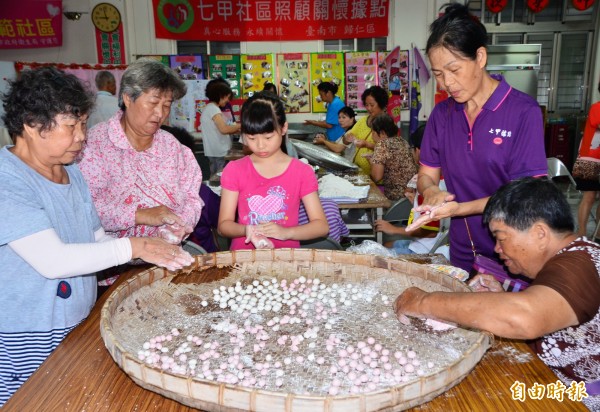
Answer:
[(27, 24), (110, 47), (269, 20)]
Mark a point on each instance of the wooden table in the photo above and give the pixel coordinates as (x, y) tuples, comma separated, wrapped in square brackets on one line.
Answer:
[(80, 375)]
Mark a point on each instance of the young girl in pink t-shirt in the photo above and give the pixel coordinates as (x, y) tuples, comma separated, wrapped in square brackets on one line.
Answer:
[(265, 188)]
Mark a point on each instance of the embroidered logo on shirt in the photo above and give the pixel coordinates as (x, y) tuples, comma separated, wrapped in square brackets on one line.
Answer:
[(500, 132), (64, 290), (265, 209), (497, 140)]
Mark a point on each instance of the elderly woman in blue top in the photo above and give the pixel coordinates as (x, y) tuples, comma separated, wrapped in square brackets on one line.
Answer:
[(483, 136), (333, 130), (51, 240)]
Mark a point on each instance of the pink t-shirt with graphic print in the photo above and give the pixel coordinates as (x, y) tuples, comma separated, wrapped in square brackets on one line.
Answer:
[(262, 200)]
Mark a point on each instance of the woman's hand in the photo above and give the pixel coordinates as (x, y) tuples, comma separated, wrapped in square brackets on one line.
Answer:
[(157, 216), (174, 233), (386, 227), (319, 139), (157, 251), (360, 143), (348, 138), (273, 230), (431, 213), (485, 283), (408, 303), (258, 239)]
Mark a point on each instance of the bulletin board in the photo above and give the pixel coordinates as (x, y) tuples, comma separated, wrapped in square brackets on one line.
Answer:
[(257, 69), (326, 67), (183, 111), (226, 66), (294, 85), (361, 73), (189, 67)]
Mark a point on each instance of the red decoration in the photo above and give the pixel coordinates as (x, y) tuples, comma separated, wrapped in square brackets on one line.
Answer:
[(496, 6), (537, 5), (19, 66), (583, 4)]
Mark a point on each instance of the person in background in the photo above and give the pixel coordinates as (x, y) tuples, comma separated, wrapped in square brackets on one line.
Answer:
[(203, 233), (392, 160), (106, 102), (589, 149), (143, 181), (534, 230), (347, 119), (375, 100), (333, 129), (265, 188), (270, 87), (51, 239), (485, 134), (423, 238), (216, 133)]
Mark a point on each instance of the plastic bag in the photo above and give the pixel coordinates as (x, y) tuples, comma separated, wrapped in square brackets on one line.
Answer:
[(369, 247)]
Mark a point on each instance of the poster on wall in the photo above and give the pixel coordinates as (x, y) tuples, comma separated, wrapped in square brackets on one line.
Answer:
[(257, 69), (361, 73), (393, 71), (326, 67), (27, 24), (382, 75), (188, 67), (164, 59), (226, 66), (183, 111), (294, 81)]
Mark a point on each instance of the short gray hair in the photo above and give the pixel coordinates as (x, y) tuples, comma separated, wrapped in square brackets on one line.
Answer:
[(145, 74), (103, 78)]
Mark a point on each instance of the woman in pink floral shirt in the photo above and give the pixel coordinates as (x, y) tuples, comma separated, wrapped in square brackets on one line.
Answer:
[(142, 180)]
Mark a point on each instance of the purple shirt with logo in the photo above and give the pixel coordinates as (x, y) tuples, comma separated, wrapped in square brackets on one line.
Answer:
[(505, 142)]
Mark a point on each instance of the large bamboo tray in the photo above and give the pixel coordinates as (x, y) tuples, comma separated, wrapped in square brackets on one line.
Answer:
[(329, 265)]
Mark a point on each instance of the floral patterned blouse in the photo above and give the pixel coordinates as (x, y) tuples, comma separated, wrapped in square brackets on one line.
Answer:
[(398, 165), (123, 180)]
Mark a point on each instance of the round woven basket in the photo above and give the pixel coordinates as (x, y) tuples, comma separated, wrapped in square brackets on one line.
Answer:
[(331, 266)]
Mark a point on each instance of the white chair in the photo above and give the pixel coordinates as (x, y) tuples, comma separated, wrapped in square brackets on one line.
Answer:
[(556, 168)]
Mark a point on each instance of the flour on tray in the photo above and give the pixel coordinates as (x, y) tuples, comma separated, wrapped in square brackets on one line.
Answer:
[(331, 186)]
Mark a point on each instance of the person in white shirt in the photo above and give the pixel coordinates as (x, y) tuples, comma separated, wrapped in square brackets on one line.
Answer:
[(106, 102)]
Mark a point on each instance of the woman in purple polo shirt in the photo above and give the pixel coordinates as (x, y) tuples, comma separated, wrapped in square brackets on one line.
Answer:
[(484, 135)]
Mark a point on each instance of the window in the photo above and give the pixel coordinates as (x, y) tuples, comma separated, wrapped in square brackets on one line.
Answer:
[(566, 36), (545, 72), (208, 47), (364, 44), (571, 64)]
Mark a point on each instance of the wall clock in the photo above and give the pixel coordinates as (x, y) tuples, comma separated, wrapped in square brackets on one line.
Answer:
[(106, 17)]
